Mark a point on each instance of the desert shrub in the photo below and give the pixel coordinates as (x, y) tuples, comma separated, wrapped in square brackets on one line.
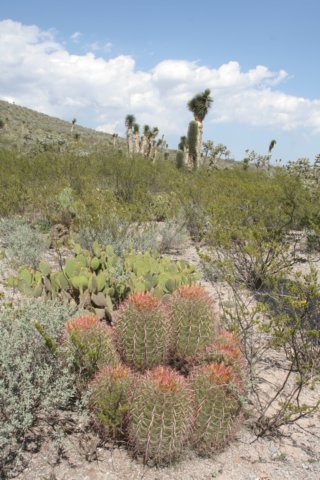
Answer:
[(284, 325), (172, 234), (89, 345), (122, 235), (23, 245), (312, 241), (250, 223), (32, 378), (163, 205), (293, 307)]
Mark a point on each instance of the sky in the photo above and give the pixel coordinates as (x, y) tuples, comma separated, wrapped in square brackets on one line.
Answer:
[(98, 61)]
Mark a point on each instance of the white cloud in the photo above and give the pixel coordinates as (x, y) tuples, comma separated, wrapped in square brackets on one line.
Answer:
[(101, 47), (108, 127), (38, 72), (76, 36)]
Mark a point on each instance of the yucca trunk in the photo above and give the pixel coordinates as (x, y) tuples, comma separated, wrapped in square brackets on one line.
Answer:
[(153, 150), (199, 143), (130, 141), (143, 145), (137, 142)]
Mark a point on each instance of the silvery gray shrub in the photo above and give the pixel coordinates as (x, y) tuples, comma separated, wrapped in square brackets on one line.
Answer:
[(32, 376), (21, 243)]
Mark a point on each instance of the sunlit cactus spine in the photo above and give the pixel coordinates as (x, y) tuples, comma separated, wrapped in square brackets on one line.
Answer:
[(160, 415), (90, 345), (194, 323), (217, 407), (109, 399), (143, 332)]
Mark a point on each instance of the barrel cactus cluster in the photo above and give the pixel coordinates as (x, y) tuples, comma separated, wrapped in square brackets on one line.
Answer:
[(170, 376)]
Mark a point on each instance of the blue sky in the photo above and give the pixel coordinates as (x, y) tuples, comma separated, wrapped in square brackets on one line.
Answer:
[(99, 60)]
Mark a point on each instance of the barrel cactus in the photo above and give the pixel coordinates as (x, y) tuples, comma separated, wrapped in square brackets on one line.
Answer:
[(142, 332), (217, 406), (194, 323), (90, 345), (109, 398), (160, 415), (227, 349), (138, 397)]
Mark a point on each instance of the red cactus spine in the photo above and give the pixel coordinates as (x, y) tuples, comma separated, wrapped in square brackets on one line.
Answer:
[(143, 332), (160, 416), (109, 398), (217, 406), (194, 323)]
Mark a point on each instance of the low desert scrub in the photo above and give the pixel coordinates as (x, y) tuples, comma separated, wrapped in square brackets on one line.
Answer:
[(22, 244), (280, 334), (32, 377)]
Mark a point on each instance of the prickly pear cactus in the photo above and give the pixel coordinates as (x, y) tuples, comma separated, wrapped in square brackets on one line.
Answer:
[(109, 398), (160, 415), (90, 345), (217, 407), (143, 332), (194, 323)]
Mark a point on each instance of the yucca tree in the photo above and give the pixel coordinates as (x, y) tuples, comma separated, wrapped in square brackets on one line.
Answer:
[(129, 122), (157, 146), (144, 139), (136, 133), (74, 121), (152, 142), (199, 106), (207, 148), (114, 139), (271, 146)]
